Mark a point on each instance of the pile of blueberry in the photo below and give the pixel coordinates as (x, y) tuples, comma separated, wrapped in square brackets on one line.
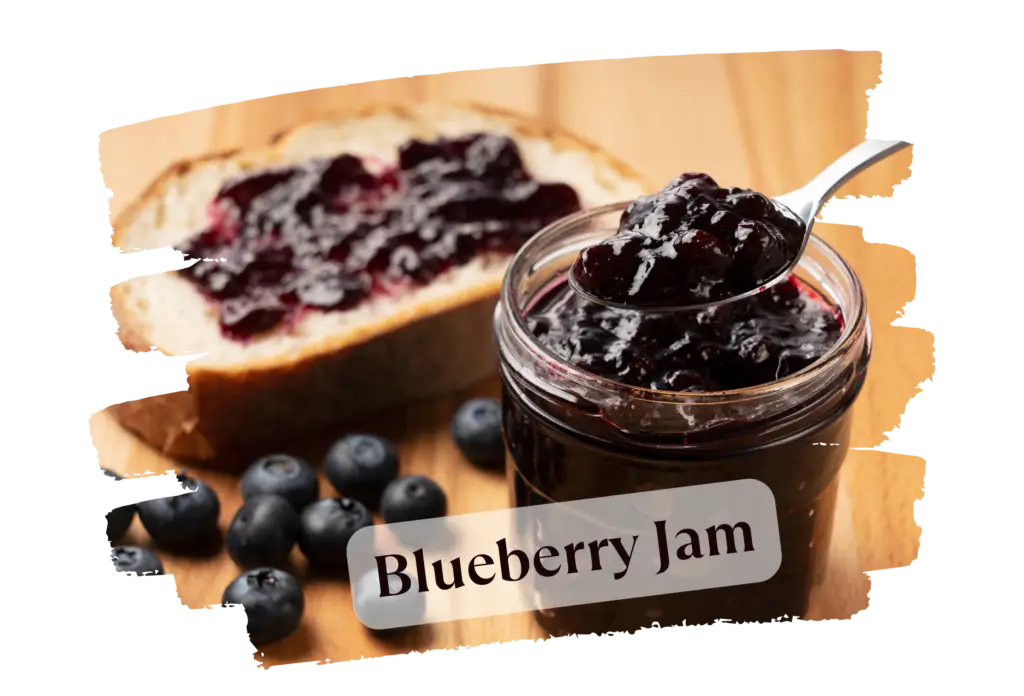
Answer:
[(282, 508)]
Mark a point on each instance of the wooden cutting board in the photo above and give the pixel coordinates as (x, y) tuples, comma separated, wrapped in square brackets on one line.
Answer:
[(330, 629)]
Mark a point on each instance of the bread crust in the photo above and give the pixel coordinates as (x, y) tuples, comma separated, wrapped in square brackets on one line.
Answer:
[(427, 348)]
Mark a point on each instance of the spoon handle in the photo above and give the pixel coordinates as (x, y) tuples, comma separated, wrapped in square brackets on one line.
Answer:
[(808, 199)]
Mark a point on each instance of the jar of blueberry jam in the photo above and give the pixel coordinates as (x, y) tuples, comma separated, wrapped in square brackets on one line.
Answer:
[(601, 401)]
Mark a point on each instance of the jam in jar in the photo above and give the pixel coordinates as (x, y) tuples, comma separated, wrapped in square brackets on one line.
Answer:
[(600, 401)]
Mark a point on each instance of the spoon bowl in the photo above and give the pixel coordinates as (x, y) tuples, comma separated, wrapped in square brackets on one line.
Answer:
[(802, 203)]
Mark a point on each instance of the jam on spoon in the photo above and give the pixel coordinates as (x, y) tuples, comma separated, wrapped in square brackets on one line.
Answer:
[(694, 244), (691, 243)]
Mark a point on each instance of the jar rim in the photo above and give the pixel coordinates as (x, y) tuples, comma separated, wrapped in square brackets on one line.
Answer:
[(854, 316)]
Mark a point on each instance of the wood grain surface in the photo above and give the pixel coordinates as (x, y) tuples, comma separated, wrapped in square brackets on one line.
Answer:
[(767, 121)]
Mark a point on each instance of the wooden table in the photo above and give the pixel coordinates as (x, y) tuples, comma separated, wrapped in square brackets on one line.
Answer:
[(767, 121)]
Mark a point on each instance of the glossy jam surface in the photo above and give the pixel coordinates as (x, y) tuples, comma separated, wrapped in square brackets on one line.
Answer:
[(691, 243), (730, 346), (327, 234)]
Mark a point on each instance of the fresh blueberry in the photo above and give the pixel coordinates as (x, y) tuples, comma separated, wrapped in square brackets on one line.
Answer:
[(118, 519), (284, 475), (476, 429), (182, 519), (408, 607), (135, 559), (263, 532), (412, 498), (273, 602), (325, 529), (361, 466)]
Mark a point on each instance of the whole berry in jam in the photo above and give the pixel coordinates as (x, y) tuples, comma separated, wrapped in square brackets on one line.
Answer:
[(360, 466), (263, 532), (273, 602), (412, 498), (182, 520), (326, 234), (290, 477), (476, 429), (691, 243), (326, 527)]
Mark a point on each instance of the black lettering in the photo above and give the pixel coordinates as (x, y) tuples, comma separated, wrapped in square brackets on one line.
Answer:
[(503, 554), (382, 575), (620, 549), (730, 537), (595, 553), (570, 555), (659, 528), (456, 575), (694, 542), (421, 570), (473, 575), (537, 558)]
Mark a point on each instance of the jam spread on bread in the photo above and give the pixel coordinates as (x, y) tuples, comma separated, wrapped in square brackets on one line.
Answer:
[(691, 243), (329, 233)]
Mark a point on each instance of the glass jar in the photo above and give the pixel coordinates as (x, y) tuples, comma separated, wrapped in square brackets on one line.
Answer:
[(573, 435)]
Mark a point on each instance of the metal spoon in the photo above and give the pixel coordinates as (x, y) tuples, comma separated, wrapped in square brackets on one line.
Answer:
[(804, 203)]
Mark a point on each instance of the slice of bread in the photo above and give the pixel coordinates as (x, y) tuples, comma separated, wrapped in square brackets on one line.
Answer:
[(327, 366)]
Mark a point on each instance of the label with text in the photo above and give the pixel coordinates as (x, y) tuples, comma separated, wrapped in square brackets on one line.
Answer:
[(565, 554)]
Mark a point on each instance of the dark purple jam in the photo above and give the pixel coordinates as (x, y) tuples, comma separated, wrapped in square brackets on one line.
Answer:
[(327, 234), (739, 344), (562, 450), (691, 243)]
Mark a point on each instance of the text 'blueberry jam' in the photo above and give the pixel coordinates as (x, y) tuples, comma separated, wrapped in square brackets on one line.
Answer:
[(691, 243), (327, 234), (740, 344)]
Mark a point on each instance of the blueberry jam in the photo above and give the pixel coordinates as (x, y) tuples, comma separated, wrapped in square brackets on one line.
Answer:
[(329, 233), (602, 400), (691, 243), (563, 451), (740, 344)]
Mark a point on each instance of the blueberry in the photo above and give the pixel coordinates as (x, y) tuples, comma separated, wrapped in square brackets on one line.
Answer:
[(412, 498), (360, 466), (325, 529), (135, 559), (281, 474), (182, 519), (263, 532), (476, 429), (273, 602), (409, 607), (118, 519)]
